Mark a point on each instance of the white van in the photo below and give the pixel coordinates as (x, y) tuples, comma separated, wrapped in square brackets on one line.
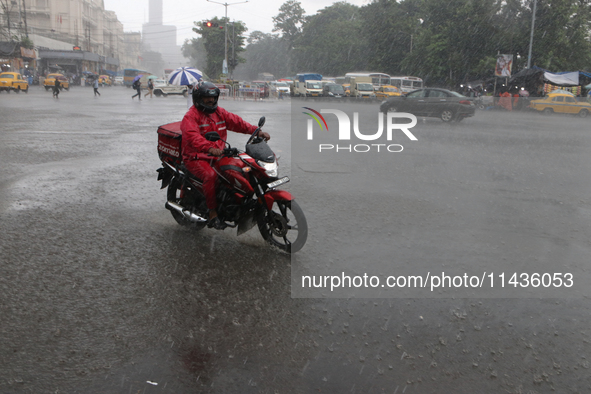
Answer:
[(362, 87), (308, 88)]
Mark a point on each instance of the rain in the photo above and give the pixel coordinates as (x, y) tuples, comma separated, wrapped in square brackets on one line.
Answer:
[(101, 291)]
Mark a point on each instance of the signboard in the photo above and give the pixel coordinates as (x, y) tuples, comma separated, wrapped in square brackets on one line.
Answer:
[(28, 53), (76, 48), (504, 64)]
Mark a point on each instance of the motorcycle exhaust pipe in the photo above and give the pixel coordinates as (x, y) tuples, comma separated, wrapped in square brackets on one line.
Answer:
[(185, 212)]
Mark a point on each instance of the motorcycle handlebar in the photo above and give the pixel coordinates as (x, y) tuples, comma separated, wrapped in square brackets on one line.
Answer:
[(230, 152), (227, 152)]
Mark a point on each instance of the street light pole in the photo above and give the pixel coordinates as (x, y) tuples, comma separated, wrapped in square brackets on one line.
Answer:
[(531, 37), (226, 27)]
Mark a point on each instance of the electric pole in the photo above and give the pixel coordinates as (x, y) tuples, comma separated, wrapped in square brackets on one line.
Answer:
[(531, 37), (226, 32)]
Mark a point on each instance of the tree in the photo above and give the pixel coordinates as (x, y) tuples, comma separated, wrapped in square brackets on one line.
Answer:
[(332, 42), (561, 36), (265, 53), (194, 50), (213, 43), (289, 21)]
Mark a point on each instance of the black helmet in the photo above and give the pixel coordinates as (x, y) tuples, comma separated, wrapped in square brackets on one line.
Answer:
[(206, 89)]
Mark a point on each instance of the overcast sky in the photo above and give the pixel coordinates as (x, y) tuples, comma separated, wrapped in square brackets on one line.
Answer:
[(256, 14)]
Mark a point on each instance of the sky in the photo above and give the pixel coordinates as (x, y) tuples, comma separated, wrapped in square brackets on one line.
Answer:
[(256, 14)]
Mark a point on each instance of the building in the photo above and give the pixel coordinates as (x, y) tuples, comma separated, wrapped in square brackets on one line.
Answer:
[(162, 39), (71, 35)]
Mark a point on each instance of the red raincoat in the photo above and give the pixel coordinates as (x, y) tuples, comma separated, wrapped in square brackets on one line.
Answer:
[(195, 147)]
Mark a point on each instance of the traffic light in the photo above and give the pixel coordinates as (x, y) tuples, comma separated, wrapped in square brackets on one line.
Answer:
[(210, 24)]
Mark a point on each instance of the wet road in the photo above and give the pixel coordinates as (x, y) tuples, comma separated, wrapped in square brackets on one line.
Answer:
[(101, 291)]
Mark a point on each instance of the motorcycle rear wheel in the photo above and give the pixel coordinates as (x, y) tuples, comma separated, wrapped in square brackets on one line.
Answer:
[(193, 201), (286, 226)]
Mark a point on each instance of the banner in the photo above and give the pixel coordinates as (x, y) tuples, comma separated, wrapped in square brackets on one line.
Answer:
[(504, 64)]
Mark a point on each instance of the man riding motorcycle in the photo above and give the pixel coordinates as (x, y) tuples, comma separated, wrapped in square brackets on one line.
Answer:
[(198, 153)]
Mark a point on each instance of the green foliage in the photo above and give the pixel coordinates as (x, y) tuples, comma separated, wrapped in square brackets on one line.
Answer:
[(215, 49), (332, 42), (194, 50), (289, 21), (444, 42), (265, 53), (27, 43)]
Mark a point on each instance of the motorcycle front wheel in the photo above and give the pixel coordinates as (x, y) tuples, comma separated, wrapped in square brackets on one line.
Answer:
[(285, 226), (194, 201)]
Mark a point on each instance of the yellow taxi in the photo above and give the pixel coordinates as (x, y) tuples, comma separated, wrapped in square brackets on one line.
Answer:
[(13, 81), (387, 91), (347, 87), (105, 80), (49, 82), (561, 102)]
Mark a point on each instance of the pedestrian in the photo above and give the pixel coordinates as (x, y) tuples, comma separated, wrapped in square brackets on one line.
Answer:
[(138, 87), (505, 100), (150, 88), (190, 96), (96, 86), (56, 88)]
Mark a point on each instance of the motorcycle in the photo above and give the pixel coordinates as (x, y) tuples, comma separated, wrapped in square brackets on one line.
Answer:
[(246, 191)]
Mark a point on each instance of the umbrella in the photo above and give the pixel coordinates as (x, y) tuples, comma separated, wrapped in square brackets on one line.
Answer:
[(562, 91), (138, 77), (588, 86), (152, 77), (524, 93), (185, 76)]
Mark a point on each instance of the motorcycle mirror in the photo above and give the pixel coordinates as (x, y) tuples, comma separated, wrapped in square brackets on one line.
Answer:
[(212, 136), (261, 121)]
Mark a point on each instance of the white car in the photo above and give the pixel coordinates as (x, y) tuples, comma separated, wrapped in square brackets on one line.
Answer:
[(118, 81), (163, 88), (280, 87)]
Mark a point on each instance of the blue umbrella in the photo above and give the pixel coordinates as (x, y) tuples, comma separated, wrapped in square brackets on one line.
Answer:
[(185, 76), (138, 77)]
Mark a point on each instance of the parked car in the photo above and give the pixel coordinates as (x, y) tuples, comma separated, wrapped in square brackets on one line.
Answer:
[(13, 81), (432, 102), (282, 87), (163, 88), (333, 90), (561, 102), (387, 91), (50, 81)]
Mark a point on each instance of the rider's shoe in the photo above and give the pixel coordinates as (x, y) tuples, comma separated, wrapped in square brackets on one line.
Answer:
[(216, 223)]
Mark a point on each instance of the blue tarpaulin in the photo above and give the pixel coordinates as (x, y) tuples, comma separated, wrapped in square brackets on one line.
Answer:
[(309, 77)]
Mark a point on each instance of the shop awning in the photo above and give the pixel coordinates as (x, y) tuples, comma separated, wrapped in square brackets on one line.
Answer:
[(571, 78)]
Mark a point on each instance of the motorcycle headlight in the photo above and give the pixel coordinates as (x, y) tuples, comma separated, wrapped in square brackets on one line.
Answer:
[(270, 168)]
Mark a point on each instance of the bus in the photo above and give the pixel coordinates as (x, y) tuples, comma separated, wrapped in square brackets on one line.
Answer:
[(407, 84), (130, 73), (378, 79)]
